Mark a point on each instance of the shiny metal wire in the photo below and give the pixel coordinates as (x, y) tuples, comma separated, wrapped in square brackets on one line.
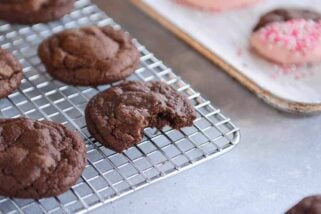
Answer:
[(108, 175)]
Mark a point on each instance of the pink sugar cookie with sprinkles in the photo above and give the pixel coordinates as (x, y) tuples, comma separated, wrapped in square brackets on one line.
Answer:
[(289, 37), (217, 5)]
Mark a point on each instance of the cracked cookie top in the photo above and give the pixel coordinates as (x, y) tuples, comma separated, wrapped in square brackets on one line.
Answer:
[(38, 158), (10, 73), (117, 117), (89, 56)]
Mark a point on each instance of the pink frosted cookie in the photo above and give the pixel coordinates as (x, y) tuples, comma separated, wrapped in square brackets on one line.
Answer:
[(288, 36), (218, 5)]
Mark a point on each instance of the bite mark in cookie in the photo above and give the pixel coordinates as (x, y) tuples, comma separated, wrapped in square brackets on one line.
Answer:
[(117, 117), (10, 73), (38, 158), (90, 56)]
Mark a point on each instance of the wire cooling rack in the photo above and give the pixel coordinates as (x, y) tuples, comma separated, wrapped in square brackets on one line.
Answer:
[(108, 175)]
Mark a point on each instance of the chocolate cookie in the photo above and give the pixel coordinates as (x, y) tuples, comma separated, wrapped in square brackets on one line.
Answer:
[(117, 117), (89, 56), (10, 73), (308, 205), (34, 11), (282, 15), (38, 158)]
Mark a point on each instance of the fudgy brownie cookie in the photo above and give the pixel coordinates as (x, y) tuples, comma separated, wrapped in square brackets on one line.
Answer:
[(308, 205), (89, 56), (38, 158), (117, 117), (288, 36), (34, 11), (10, 73)]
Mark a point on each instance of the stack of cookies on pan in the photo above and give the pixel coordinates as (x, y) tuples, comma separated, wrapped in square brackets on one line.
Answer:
[(51, 157)]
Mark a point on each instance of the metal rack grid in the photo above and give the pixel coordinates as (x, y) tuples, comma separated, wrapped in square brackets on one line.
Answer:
[(108, 175)]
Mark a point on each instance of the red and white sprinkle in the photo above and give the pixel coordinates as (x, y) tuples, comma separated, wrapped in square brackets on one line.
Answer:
[(297, 35)]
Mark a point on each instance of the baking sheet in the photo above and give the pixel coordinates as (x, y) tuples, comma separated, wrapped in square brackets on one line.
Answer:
[(226, 34)]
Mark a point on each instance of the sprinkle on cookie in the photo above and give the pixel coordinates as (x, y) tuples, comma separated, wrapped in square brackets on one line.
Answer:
[(296, 35)]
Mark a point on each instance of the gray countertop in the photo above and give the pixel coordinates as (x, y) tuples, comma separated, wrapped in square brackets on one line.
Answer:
[(277, 162)]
